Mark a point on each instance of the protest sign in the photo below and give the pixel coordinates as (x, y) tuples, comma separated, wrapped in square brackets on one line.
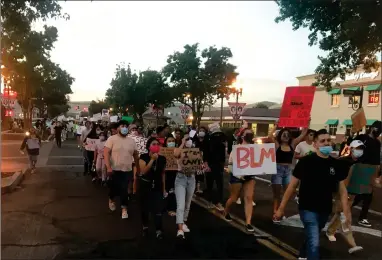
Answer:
[(140, 142), (360, 178), (91, 144), (171, 162), (97, 116), (191, 160), (254, 159), (358, 119), (297, 104), (113, 119)]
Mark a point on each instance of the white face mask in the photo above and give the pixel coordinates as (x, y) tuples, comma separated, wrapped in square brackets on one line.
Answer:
[(357, 153), (188, 144), (202, 134)]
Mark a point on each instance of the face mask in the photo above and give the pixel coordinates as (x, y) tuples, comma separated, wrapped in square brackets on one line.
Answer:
[(326, 150), (248, 138), (102, 138), (154, 148), (202, 134), (124, 131), (188, 144), (98, 132), (171, 145), (357, 153), (376, 133)]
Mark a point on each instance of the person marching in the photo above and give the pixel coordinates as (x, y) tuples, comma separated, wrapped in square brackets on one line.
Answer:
[(170, 182), (201, 142), (99, 159), (93, 134), (152, 186), (32, 144), (247, 183)]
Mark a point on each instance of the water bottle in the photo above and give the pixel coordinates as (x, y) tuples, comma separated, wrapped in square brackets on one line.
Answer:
[(345, 228)]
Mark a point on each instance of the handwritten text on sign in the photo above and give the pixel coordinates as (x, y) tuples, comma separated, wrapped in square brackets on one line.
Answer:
[(254, 159), (91, 144), (297, 104), (171, 163), (140, 142), (191, 160)]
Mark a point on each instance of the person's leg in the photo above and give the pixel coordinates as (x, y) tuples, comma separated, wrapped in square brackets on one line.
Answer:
[(171, 201), (219, 184), (335, 222), (113, 190), (144, 202), (157, 210), (180, 194), (248, 188), (209, 186), (310, 249), (190, 189), (235, 189), (126, 178), (86, 164), (367, 199), (90, 156)]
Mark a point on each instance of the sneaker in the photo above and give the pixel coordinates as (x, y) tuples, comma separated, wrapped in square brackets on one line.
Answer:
[(228, 217), (302, 258), (159, 234), (364, 223), (219, 207), (276, 221), (112, 206), (124, 214), (180, 234), (253, 203), (355, 249), (145, 231), (185, 228), (331, 238), (238, 201), (249, 228)]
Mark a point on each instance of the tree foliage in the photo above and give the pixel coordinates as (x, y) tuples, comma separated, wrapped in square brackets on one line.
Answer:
[(97, 106), (350, 31), (261, 105), (197, 77), (25, 54)]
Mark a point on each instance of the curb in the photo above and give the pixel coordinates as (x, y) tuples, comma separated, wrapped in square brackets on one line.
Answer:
[(14, 181)]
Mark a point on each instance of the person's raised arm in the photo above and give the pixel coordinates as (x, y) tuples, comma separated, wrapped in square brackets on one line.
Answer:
[(300, 138), (178, 151)]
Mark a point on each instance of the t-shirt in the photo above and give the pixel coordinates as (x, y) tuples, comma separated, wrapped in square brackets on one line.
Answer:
[(154, 175), (319, 178), (122, 151), (304, 148), (371, 154)]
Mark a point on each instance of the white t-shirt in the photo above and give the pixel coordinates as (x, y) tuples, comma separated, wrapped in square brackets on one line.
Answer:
[(122, 151), (304, 148)]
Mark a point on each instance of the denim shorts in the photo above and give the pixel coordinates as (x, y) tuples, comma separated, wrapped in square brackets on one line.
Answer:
[(282, 176)]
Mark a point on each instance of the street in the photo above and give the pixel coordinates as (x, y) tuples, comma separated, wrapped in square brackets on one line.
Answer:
[(58, 213)]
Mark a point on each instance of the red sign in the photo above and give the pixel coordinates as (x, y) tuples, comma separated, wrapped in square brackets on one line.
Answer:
[(297, 104), (9, 112), (373, 99)]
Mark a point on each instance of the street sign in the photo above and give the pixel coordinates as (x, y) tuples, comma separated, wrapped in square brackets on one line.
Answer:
[(7, 102), (236, 109), (184, 111)]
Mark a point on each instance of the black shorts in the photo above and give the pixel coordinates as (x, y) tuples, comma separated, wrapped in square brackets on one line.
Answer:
[(242, 180)]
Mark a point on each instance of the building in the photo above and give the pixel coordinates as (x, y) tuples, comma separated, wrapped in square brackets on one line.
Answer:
[(76, 107), (261, 120), (332, 110)]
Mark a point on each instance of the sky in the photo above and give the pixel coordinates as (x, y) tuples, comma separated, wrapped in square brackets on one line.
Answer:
[(102, 34)]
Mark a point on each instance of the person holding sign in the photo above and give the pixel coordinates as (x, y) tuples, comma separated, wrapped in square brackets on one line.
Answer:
[(152, 186), (184, 188), (119, 152), (99, 159), (247, 183), (90, 146), (170, 182)]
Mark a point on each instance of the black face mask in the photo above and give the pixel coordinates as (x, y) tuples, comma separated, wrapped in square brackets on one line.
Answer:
[(376, 132), (248, 138)]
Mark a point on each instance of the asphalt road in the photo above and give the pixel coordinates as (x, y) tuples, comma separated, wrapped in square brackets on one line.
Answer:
[(57, 213)]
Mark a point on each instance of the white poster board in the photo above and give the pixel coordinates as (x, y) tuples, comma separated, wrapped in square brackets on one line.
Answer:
[(254, 159), (140, 142), (113, 119), (91, 144), (97, 116)]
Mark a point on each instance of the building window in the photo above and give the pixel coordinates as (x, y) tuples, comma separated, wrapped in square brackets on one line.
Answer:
[(353, 100), (348, 130), (335, 100), (374, 97), (333, 129)]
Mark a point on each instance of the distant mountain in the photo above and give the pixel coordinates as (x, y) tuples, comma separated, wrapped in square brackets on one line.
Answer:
[(269, 104)]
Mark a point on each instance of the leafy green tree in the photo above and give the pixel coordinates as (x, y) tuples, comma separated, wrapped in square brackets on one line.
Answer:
[(97, 106), (261, 105), (197, 78), (349, 31)]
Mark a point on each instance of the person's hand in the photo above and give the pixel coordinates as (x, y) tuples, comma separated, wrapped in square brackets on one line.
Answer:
[(279, 214), (165, 194), (21, 152), (206, 167), (109, 171), (154, 156), (185, 137)]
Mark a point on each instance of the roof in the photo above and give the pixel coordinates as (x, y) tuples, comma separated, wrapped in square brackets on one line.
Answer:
[(254, 112)]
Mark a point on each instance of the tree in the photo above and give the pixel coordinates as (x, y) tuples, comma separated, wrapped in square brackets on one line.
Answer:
[(197, 77), (261, 105), (97, 106), (350, 31), (25, 54)]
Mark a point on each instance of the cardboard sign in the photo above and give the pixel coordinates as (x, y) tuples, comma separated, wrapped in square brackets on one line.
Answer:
[(191, 160), (91, 144), (254, 159), (297, 104), (360, 181), (171, 161), (214, 127), (140, 142), (358, 119), (113, 119)]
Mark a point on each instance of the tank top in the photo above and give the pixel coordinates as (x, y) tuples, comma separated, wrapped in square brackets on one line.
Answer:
[(284, 157)]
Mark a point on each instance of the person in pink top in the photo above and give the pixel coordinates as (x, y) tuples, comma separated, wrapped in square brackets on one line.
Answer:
[(99, 158)]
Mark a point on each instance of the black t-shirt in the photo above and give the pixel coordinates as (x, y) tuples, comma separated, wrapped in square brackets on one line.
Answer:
[(154, 175), (371, 154), (58, 130), (319, 179)]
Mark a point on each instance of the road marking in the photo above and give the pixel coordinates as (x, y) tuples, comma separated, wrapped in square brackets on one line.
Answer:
[(356, 207), (294, 221), (262, 237)]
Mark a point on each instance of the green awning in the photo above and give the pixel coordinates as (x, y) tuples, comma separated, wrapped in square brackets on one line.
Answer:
[(332, 122), (354, 88), (129, 119), (347, 122), (335, 91), (373, 87), (370, 121)]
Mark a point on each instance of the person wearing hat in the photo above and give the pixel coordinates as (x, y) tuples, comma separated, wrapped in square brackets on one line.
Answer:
[(370, 156), (356, 152)]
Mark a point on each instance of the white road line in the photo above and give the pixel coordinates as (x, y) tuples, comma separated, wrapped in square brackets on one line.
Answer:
[(356, 207)]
